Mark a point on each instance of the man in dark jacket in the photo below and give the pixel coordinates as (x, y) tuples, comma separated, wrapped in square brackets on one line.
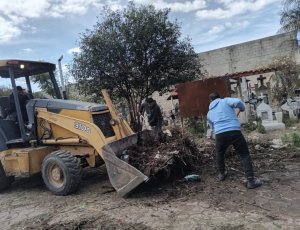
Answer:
[(23, 99), (153, 112)]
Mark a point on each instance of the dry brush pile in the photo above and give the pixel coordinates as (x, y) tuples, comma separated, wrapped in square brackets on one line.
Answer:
[(165, 153)]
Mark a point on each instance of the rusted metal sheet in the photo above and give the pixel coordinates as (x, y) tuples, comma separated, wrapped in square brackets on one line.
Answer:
[(193, 96)]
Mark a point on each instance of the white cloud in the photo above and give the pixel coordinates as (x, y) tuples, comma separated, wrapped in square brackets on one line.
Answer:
[(14, 14), (64, 68), (8, 30), (114, 5), (71, 6), (237, 24), (21, 82), (187, 6), (21, 8), (220, 28), (27, 50), (74, 50), (216, 29), (233, 7)]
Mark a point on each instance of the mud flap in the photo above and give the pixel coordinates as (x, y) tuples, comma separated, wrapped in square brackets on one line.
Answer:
[(124, 177)]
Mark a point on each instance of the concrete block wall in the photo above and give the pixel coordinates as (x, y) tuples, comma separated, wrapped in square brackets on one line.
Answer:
[(162, 100), (241, 57), (249, 55)]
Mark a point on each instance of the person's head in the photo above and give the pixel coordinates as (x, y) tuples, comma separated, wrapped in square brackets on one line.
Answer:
[(150, 102), (20, 90), (213, 96)]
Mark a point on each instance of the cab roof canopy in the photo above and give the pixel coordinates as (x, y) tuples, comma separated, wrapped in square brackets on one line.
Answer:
[(24, 67)]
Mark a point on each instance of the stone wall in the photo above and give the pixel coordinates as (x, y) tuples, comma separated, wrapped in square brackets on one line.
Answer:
[(249, 55), (162, 100), (245, 56)]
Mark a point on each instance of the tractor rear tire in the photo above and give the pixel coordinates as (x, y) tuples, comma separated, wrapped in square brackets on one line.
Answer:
[(5, 181), (61, 172)]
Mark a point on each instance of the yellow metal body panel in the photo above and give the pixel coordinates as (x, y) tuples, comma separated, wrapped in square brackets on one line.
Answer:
[(27, 161), (82, 115), (24, 162), (121, 128), (79, 150), (94, 137)]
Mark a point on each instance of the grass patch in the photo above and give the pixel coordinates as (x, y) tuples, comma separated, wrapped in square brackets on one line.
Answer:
[(285, 139), (250, 126), (261, 128), (289, 121), (292, 139), (295, 139), (193, 126)]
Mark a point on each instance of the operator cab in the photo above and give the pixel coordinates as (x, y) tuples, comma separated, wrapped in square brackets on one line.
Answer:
[(16, 131)]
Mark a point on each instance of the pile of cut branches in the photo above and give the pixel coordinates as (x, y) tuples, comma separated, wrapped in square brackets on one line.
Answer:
[(165, 153)]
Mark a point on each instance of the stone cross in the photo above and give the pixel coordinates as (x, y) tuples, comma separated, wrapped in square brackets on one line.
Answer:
[(261, 79), (261, 96)]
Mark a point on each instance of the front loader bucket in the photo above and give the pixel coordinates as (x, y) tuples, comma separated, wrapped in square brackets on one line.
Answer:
[(124, 177)]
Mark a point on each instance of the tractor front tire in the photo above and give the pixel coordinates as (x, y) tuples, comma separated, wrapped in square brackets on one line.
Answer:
[(61, 172), (5, 181)]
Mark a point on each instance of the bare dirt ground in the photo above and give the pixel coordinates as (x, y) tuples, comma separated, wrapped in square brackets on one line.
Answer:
[(175, 204)]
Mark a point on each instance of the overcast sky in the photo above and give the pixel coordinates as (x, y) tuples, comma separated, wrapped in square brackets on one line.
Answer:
[(46, 29)]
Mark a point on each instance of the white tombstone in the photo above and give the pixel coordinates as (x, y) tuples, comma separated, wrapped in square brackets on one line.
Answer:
[(290, 107), (264, 111)]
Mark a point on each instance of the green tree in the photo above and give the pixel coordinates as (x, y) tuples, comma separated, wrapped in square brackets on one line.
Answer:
[(133, 53), (44, 82), (290, 16), (5, 91), (285, 78)]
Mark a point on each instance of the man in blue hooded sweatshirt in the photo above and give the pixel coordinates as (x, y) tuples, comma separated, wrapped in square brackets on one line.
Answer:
[(223, 120)]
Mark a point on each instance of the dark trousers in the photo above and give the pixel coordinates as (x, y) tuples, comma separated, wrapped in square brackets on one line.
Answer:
[(159, 124), (235, 138)]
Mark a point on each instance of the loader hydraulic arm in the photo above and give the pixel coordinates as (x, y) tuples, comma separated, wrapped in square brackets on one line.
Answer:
[(121, 127)]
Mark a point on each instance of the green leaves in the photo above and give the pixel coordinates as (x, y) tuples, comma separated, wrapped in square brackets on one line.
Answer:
[(44, 82), (134, 52), (290, 16), (286, 76), (5, 91)]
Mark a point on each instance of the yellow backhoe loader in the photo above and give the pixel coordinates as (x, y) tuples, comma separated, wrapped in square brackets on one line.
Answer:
[(58, 137)]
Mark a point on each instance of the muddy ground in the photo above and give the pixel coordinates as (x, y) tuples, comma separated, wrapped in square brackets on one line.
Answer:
[(175, 204)]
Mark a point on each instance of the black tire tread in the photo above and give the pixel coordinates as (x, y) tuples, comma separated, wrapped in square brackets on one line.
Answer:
[(73, 167), (5, 181)]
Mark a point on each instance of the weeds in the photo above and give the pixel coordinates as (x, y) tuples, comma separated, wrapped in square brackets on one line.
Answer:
[(250, 126), (295, 139), (288, 121), (292, 139), (285, 139), (194, 126), (261, 128)]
